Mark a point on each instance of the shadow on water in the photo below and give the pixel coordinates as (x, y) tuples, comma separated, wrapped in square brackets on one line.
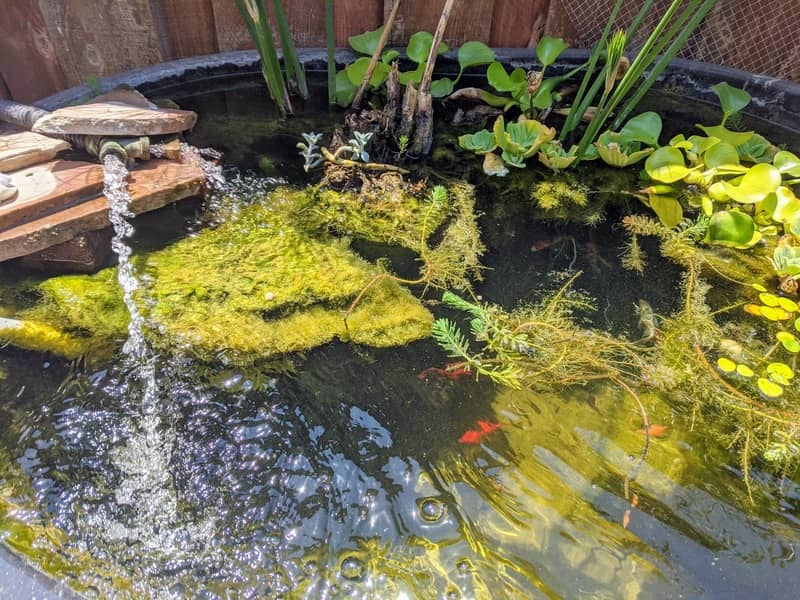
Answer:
[(346, 476)]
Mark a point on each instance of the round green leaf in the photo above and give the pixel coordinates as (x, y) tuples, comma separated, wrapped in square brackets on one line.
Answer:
[(668, 209), (367, 42), (744, 371), (481, 142), (419, 47), (345, 91), (768, 388), (726, 365), (389, 56), (787, 163), (720, 154), (788, 341), (782, 369), (548, 49), (441, 87), (731, 99), (788, 304), (666, 164), (735, 138), (356, 71), (755, 185), (500, 80), (768, 299), (644, 128), (472, 54), (786, 206), (730, 228)]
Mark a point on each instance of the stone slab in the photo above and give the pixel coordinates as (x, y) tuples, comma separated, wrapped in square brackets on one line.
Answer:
[(114, 119), (85, 253), (20, 148), (152, 185), (49, 187)]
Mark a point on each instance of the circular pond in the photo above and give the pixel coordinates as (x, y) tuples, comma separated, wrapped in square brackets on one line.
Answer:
[(355, 470)]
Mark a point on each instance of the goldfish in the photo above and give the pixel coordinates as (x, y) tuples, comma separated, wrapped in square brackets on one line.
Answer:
[(657, 431), (473, 436), (451, 371)]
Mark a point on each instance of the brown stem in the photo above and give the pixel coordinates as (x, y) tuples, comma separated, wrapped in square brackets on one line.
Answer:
[(344, 162), (387, 29)]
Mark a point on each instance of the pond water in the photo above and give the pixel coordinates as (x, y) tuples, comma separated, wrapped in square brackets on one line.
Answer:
[(346, 476)]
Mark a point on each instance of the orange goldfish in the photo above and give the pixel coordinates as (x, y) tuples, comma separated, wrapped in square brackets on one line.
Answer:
[(473, 436), (656, 431), (451, 371)]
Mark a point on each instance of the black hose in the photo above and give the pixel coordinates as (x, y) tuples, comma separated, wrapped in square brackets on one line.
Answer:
[(20, 114)]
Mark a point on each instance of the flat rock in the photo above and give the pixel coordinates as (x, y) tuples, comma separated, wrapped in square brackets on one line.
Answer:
[(125, 95), (114, 119), (49, 187), (20, 148), (152, 185)]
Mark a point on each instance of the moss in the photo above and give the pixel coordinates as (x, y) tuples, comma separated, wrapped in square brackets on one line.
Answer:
[(257, 286), (41, 337)]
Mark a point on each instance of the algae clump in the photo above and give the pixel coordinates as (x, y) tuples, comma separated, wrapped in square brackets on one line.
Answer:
[(270, 281)]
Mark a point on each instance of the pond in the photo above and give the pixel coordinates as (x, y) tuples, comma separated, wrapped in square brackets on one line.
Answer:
[(354, 471)]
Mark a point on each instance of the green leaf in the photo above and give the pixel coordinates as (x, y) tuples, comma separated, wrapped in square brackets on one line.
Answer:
[(666, 165), (730, 228), (548, 50), (367, 42), (721, 154), (735, 138), (786, 206), (356, 71), (407, 77), (787, 163), (389, 56), (472, 54), (645, 128), (768, 388), (668, 209), (782, 369), (345, 91), (480, 142), (441, 87), (788, 341), (419, 47), (726, 365), (731, 99), (755, 185), (500, 80)]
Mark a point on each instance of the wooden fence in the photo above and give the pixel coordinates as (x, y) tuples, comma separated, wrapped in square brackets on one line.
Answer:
[(48, 45)]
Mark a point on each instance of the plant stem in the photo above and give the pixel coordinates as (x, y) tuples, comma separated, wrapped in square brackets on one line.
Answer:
[(290, 61), (331, 43), (387, 29)]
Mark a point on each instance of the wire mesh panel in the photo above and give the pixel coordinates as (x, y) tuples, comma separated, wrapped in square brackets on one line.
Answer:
[(760, 36)]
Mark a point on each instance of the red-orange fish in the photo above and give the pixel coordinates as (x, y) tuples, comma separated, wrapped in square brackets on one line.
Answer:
[(473, 436), (451, 371), (656, 431)]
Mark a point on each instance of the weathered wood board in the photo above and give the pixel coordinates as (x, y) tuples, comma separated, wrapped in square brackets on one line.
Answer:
[(28, 59), (20, 148), (102, 37), (471, 20), (153, 185), (114, 118), (200, 38), (518, 23), (48, 187)]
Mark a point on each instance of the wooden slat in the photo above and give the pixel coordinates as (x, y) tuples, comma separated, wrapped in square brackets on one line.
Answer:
[(189, 26), (45, 188), (354, 17), (20, 148), (153, 185), (470, 20), (102, 37), (518, 23), (28, 60), (5, 94), (230, 29)]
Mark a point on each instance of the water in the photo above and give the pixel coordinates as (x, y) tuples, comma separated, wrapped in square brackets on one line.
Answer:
[(345, 478)]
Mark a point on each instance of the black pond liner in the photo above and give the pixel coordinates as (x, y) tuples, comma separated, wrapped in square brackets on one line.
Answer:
[(774, 100)]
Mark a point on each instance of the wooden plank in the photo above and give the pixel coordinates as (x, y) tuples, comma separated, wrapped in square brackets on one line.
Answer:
[(28, 59), (189, 25), (102, 37), (5, 94), (153, 185), (353, 17), (20, 148), (113, 118), (518, 23), (470, 20), (230, 29), (45, 188)]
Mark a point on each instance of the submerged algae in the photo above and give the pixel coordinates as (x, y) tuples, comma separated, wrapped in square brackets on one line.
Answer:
[(269, 281)]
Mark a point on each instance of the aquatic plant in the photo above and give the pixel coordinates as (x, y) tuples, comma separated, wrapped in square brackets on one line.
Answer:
[(259, 25), (537, 346), (309, 150)]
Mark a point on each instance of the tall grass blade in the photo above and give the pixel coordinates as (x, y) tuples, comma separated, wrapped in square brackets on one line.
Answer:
[(290, 59), (330, 38)]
